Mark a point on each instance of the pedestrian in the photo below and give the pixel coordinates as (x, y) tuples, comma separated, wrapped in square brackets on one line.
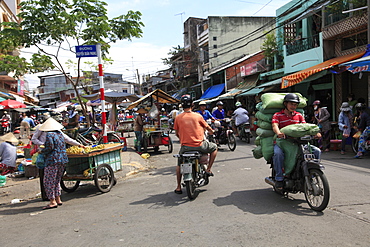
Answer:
[(352, 102), (8, 153), (321, 118), (56, 159), (364, 128), (345, 121), (138, 128), (26, 124)]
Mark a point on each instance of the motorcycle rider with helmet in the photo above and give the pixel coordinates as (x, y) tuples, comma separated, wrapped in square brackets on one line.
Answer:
[(204, 112), (189, 127), (240, 116), (285, 117), (364, 127)]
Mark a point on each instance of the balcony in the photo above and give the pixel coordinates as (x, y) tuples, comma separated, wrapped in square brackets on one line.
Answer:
[(303, 44)]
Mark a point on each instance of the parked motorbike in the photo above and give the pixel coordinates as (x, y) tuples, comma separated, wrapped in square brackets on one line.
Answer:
[(355, 141), (5, 126), (245, 132), (226, 136), (93, 135), (307, 177), (193, 167)]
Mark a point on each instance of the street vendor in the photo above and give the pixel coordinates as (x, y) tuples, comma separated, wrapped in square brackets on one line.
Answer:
[(138, 128), (8, 153), (73, 118)]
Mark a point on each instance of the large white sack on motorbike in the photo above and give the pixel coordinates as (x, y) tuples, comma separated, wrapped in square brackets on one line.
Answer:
[(275, 100), (265, 117), (264, 133), (264, 125), (257, 141), (299, 130), (257, 152), (267, 144)]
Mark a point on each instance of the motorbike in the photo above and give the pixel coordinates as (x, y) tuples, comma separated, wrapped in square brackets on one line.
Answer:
[(245, 132), (93, 135), (355, 141), (226, 136), (307, 177), (193, 169), (5, 126)]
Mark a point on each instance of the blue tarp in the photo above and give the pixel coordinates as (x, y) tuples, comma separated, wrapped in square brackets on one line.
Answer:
[(213, 91)]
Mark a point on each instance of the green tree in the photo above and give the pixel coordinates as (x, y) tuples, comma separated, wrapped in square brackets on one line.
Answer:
[(173, 53), (65, 22)]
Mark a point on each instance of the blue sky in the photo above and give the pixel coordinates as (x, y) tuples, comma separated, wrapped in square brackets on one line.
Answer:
[(163, 21)]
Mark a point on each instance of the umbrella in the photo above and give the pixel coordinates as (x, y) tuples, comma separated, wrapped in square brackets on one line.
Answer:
[(11, 104)]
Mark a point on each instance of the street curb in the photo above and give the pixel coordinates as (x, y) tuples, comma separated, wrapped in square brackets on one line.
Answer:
[(26, 189)]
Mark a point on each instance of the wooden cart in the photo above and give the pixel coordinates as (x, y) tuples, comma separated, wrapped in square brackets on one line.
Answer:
[(98, 165)]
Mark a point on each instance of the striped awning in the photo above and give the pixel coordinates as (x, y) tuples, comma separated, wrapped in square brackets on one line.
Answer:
[(291, 80)]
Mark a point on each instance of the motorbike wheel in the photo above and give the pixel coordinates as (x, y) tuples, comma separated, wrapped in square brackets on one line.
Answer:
[(231, 142), (248, 138), (170, 145), (354, 144), (206, 178), (318, 197), (190, 186)]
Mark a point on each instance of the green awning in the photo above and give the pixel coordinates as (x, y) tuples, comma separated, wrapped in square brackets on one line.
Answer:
[(251, 92)]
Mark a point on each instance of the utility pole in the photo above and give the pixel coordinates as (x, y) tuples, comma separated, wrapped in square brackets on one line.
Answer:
[(138, 79), (200, 69)]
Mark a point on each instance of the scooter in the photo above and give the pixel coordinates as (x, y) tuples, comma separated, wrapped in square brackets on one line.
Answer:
[(193, 169), (5, 126), (307, 177), (245, 132), (226, 135)]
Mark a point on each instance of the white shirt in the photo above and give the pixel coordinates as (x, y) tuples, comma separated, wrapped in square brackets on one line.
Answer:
[(39, 138)]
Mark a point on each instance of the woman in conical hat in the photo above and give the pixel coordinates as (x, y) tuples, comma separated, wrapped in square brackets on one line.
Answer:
[(8, 153), (49, 135)]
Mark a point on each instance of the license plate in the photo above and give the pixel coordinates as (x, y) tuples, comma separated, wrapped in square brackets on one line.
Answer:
[(186, 168), (247, 130)]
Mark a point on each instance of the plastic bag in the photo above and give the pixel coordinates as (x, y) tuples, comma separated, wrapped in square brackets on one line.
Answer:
[(264, 133), (153, 112), (40, 161)]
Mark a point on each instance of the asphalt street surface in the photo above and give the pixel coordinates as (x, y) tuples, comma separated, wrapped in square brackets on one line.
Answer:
[(237, 208)]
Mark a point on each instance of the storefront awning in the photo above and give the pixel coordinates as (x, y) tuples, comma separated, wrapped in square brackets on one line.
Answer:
[(251, 92), (358, 65), (213, 91), (291, 80)]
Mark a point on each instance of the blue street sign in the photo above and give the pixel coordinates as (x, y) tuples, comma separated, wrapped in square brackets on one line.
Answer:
[(86, 51)]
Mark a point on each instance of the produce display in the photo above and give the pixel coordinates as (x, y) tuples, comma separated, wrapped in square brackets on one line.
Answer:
[(88, 149)]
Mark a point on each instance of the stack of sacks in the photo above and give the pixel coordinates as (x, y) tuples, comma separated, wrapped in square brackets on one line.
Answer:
[(271, 103)]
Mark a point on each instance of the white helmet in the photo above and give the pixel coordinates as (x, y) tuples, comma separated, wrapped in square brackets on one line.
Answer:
[(217, 124), (237, 104)]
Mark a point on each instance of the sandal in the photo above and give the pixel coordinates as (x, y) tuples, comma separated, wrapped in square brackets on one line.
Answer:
[(178, 191), (49, 207)]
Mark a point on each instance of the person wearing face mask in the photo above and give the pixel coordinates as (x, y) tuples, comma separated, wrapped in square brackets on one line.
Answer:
[(321, 118)]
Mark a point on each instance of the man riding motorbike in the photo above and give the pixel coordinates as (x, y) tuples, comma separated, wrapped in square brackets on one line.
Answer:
[(240, 116), (204, 112), (189, 127), (172, 115), (285, 117), (364, 127)]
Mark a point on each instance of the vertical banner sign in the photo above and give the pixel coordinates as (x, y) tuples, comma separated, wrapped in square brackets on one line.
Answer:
[(20, 88)]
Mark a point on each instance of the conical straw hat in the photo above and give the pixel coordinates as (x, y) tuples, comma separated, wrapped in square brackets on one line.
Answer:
[(50, 125), (9, 138)]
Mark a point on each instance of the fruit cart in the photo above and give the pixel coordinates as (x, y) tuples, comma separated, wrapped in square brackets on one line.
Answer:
[(97, 165), (157, 133)]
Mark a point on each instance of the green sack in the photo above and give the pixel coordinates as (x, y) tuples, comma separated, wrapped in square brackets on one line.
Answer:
[(267, 144), (265, 117), (290, 150), (264, 125), (257, 152), (275, 100), (264, 133), (257, 141), (299, 130)]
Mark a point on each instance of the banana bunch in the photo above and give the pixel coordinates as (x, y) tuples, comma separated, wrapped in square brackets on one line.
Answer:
[(75, 150), (86, 150)]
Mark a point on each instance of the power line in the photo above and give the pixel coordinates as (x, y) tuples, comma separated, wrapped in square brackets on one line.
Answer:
[(262, 7)]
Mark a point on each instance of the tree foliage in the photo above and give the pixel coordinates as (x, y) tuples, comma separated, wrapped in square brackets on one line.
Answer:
[(63, 22), (173, 53)]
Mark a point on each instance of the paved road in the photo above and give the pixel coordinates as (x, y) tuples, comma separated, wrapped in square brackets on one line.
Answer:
[(237, 208)]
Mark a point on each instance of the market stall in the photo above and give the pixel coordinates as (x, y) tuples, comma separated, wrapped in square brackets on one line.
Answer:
[(156, 133)]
